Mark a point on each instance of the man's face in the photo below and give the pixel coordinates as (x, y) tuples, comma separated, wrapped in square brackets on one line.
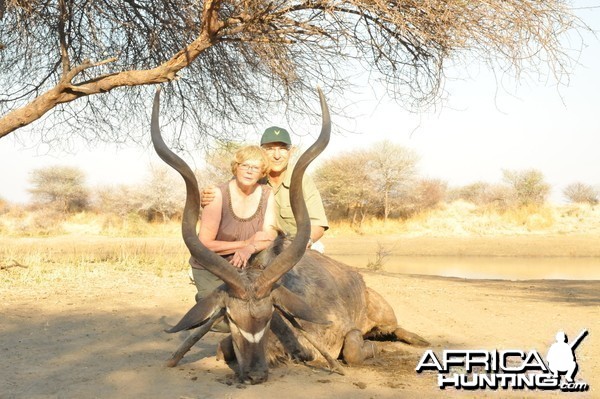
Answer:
[(279, 155)]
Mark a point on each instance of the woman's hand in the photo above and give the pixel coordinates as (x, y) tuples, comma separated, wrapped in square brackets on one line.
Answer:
[(241, 256), (260, 239)]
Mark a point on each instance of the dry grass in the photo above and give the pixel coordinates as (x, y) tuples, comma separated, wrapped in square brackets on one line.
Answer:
[(51, 247), (86, 245), (463, 219), (47, 260), (20, 223), (457, 219)]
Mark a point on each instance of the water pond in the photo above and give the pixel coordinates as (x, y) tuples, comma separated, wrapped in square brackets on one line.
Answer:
[(482, 267)]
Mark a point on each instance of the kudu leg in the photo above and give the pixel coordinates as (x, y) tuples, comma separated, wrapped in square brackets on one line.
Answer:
[(409, 337), (382, 316), (333, 364), (190, 341), (356, 349)]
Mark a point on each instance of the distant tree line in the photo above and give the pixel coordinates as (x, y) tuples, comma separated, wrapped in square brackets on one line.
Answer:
[(380, 181), (63, 189), (521, 188)]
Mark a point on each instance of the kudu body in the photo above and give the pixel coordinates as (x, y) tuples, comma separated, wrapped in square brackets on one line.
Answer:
[(289, 303)]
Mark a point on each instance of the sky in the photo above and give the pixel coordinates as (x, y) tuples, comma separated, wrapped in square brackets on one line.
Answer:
[(481, 130)]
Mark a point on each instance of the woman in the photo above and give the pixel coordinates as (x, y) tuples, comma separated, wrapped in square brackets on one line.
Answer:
[(240, 221)]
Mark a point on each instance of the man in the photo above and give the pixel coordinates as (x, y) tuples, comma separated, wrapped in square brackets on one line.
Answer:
[(277, 143)]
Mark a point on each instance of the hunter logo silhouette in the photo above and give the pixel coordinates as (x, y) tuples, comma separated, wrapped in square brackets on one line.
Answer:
[(561, 355)]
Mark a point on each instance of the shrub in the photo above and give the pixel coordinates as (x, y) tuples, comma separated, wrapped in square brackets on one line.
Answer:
[(527, 187), (581, 193)]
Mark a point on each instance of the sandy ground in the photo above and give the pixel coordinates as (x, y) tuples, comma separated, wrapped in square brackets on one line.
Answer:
[(102, 337)]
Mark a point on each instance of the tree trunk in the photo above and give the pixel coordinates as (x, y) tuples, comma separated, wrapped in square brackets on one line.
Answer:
[(386, 206)]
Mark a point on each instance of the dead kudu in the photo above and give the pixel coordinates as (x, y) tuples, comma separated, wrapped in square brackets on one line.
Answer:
[(289, 304)]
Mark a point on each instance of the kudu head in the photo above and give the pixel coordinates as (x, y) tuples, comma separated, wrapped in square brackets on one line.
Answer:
[(249, 297)]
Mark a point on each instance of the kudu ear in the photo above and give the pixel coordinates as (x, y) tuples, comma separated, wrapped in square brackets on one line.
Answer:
[(294, 306), (201, 312)]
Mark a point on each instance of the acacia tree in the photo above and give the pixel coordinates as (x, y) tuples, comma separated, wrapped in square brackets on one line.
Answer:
[(235, 59), (60, 187), (345, 186), (392, 169), (160, 195), (372, 181), (217, 168)]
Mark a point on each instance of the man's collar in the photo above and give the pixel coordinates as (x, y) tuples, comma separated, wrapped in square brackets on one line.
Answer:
[(287, 177)]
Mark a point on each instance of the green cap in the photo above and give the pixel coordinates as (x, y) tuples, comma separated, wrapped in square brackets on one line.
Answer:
[(275, 134)]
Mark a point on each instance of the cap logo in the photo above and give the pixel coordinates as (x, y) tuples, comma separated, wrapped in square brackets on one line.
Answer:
[(277, 132)]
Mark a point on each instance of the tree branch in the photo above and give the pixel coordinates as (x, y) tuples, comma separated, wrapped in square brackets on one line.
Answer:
[(65, 91), (62, 38)]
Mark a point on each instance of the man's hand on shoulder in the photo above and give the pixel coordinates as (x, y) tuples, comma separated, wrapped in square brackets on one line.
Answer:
[(208, 195)]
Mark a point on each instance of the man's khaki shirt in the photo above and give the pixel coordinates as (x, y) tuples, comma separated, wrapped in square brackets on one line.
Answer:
[(314, 204)]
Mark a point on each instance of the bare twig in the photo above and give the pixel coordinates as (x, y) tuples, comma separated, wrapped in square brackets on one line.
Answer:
[(14, 264)]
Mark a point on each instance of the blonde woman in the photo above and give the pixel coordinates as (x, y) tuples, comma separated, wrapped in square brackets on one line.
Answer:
[(240, 221)]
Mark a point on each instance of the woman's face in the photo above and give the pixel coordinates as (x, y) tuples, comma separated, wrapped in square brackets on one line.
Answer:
[(249, 172)]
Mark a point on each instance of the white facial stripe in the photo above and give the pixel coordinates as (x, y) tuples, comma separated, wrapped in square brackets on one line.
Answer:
[(253, 338)]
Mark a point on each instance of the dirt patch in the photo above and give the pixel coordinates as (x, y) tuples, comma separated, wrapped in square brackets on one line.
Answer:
[(100, 335)]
